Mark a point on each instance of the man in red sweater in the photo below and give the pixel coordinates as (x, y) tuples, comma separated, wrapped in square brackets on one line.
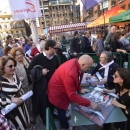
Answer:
[(64, 84)]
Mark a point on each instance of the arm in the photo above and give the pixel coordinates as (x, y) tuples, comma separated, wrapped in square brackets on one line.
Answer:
[(108, 39), (94, 70), (70, 87), (35, 61)]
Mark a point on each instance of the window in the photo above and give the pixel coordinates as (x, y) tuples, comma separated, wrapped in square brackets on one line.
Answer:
[(5, 26), (0, 27)]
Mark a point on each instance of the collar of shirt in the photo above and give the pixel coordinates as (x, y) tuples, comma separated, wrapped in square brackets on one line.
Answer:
[(44, 53)]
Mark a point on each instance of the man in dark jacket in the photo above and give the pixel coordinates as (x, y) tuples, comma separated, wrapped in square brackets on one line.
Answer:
[(75, 44), (107, 67), (86, 44)]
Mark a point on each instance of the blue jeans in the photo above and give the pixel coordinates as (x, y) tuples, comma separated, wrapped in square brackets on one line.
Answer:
[(62, 118)]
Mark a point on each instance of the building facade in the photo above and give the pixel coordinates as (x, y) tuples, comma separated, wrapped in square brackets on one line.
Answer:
[(97, 10), (8, 26), (59, 12)]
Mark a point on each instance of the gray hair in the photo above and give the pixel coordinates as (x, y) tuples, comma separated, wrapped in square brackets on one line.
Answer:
[(109, 56)]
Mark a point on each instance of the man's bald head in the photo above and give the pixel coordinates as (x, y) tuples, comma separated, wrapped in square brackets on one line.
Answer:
[(85, 62)]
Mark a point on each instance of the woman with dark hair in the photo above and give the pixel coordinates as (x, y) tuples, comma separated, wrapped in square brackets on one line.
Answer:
[(11, 87), (123, 91), (116, 45)]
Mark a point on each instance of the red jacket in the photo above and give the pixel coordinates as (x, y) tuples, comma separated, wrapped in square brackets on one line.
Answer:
[(64, 84), (34, 52)]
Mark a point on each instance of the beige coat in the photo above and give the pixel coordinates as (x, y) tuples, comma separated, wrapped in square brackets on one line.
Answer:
[(20, 72)]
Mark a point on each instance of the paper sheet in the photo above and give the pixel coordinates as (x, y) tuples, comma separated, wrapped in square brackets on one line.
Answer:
[(10, 107)]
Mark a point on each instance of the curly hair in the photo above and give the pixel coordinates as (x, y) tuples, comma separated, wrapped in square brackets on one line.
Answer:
[(3, 61), (13, 51)]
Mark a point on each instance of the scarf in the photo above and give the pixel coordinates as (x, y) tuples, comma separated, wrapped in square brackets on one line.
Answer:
[(106, 67)]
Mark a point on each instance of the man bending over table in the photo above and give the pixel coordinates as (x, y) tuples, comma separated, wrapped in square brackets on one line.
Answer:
[(64, 84)]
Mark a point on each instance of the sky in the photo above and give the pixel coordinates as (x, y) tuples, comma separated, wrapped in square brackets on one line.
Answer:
[(4, 6)]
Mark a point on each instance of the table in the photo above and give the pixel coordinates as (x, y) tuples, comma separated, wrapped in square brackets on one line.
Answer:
[(116, 116)]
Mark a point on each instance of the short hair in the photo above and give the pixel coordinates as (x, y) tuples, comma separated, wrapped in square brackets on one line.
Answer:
[(6, 50), (117, 35), (124, 32), (75, 33), (8, 37), (3, 61), (49, 43), (109, 56), (13, 51), (124, 74)]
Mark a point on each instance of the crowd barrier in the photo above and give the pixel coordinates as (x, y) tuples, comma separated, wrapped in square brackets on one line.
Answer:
[(50, 124)]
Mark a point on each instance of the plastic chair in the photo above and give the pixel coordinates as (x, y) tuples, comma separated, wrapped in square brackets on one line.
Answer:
[(50, 124)]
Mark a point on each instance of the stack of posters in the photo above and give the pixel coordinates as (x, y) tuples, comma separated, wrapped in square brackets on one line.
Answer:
[(104, 102)]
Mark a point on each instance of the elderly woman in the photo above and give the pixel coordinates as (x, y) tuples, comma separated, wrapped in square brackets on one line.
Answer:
[(21, 68), (123, 91), (11, 87)]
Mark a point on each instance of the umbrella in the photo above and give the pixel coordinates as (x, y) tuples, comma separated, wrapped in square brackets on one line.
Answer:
[(100, 20)]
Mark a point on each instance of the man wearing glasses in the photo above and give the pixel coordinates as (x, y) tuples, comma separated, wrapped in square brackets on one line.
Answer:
[(49, 63), (107, 67)]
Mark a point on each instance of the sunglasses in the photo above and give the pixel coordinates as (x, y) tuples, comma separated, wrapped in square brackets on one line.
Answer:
[(11, 66), (55, 48)]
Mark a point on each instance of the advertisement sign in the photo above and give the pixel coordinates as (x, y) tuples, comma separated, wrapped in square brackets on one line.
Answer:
[(25, 9)]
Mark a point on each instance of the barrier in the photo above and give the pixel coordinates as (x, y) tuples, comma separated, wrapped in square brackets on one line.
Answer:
[(50, 124)]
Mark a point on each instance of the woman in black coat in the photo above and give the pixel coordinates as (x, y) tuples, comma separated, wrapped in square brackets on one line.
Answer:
[(116, 45)]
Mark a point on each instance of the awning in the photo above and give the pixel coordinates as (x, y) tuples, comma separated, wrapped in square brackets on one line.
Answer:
[(67, 28), (100, 20), (121, 18)]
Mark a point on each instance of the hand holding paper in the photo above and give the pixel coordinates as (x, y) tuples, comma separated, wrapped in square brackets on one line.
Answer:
[(16, 101)]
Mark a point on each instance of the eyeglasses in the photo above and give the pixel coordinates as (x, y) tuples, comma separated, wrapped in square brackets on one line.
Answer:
[(115, 76), (55, 48), (11, 66)]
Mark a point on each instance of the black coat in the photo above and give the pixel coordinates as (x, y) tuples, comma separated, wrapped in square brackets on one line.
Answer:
[(39, 98), (75, 46), (86, 45), (111, 71)]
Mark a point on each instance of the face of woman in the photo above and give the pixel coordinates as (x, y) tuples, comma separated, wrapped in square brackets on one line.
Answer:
[(9, 68), (19, 56), (117, 78)]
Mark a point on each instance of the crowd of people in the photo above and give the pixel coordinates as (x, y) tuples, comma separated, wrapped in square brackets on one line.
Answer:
[(25, 66)]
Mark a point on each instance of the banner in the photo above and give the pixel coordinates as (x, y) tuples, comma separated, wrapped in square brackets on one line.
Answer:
[(88, 4), (25, 9)]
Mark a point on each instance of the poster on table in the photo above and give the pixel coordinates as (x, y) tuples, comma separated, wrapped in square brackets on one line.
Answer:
[(104, 102)]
